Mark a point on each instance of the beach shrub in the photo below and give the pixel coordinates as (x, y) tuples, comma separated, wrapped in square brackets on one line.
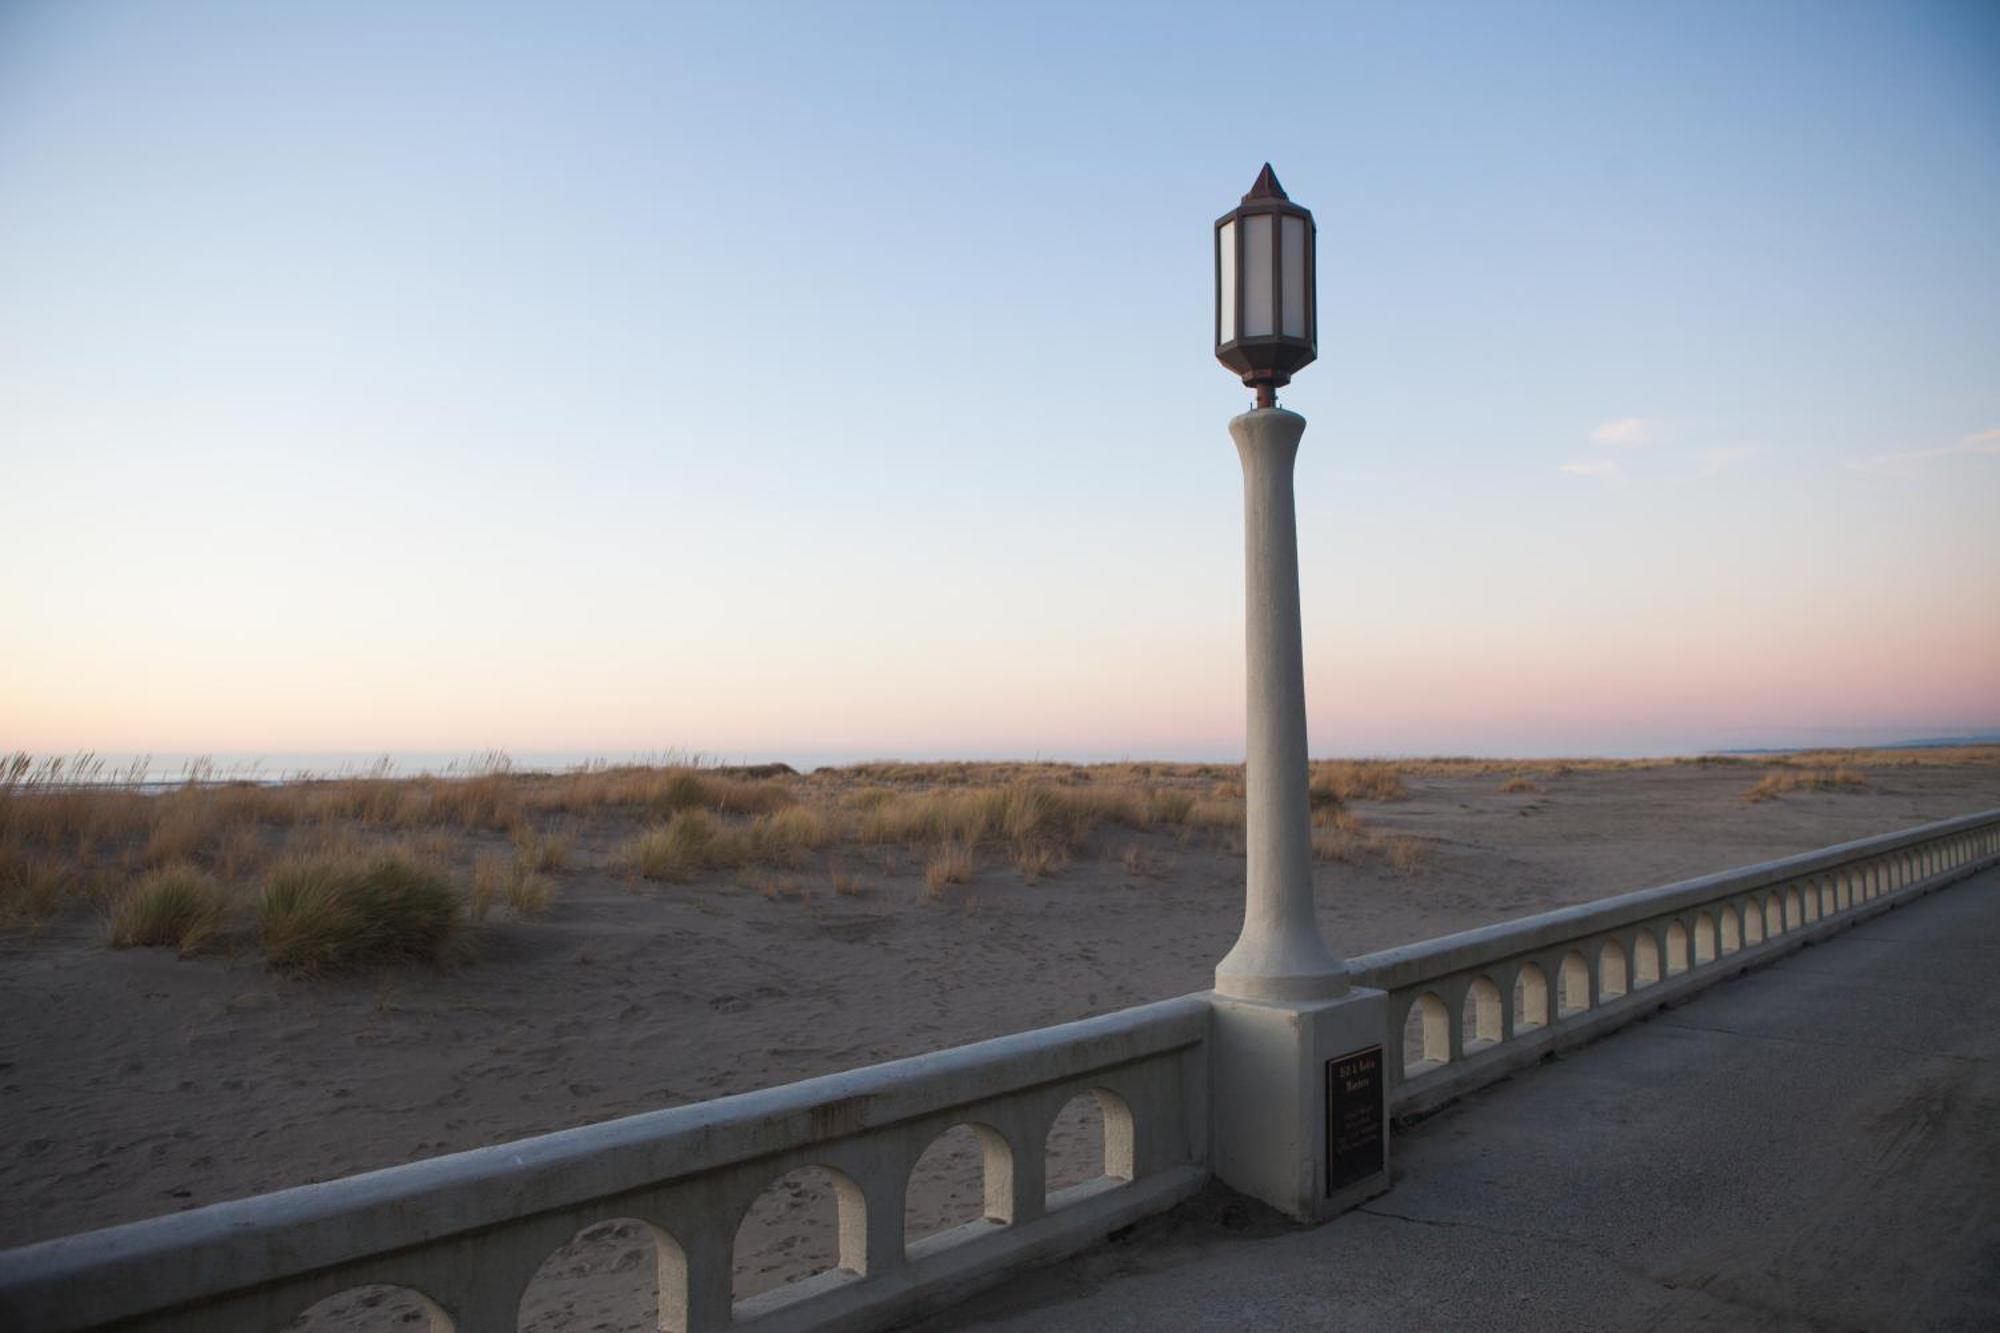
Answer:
[(334, 913), (176, 907)]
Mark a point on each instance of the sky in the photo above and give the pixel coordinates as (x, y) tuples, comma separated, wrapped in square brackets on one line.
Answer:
[(812, 381)]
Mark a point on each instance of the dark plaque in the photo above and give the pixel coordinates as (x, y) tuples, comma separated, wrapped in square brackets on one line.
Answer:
[(1353, 1118)]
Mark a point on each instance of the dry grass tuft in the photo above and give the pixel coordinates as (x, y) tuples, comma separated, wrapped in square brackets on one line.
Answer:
[(1220, 813), (542, 849), (790, 834), (32, 889), (530, 896), (186, 825), (1342, 780), (240, 853), (950, 864), (335, 914), (1518, 784), (1138, 863), (1038, 861), (498, 878), (775, 887), (176, 907), (1405, 855), (1775, 784), (690, 842), (491, 872), (1342, 837)]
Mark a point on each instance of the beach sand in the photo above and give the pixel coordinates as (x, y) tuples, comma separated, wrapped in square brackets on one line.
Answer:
[(135, 1083)]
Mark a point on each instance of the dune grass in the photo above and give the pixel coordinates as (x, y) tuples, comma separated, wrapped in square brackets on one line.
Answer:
[(178, 907), (1339, 835), (1824, 778), (76, 837), (950, 864), (336, 914), (685, 845)]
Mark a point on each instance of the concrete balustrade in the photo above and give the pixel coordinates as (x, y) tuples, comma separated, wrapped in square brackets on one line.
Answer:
[(468, 1231), (1620, 958)]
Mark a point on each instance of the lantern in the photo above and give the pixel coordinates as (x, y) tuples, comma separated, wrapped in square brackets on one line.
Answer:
[(1266, 317)]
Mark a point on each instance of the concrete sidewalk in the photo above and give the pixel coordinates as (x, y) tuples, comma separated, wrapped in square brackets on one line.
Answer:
[(1815, 1145)]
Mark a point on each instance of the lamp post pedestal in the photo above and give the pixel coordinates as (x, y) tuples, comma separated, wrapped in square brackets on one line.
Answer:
[(1300, 1072), (1301, 1101)]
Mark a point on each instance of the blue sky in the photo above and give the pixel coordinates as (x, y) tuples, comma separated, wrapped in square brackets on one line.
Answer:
[(799, 379)]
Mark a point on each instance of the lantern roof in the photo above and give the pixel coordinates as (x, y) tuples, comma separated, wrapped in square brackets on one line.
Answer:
[(1266, 186)]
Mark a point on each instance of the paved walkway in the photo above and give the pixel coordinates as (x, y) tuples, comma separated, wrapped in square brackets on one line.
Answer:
[(1815, 1145)]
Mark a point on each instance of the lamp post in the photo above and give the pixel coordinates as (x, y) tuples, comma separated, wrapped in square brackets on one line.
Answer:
[(1300, 1086), (1266, 327)]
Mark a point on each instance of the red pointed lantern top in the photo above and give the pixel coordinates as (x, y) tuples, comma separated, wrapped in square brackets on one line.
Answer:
[(1266, 186)]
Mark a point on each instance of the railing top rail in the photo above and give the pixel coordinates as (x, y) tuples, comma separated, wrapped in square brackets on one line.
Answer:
[(1409, 964), (247, 1242)]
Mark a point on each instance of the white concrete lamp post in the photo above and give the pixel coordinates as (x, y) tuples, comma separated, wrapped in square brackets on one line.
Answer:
[(1300, 1086)]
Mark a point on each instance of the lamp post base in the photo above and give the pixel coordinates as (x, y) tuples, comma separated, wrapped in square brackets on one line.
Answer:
[(1301, 1101), (1320, 979)]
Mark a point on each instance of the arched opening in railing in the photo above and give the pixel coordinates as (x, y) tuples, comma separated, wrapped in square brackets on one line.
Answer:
[(1612, 980), (1753, 922), (1730, 930), (1829, 898), (1774, 917), (1645, 959), (966, 1175), (1573, 986), (1845, 885), (1482, 1017), (1677, 948), (808, 1221), (1794, 910), (1531, 998), (1090, 1139), (1426, 1035), (1809, 901), (1704, 938), (616, 1274), (373, 1308)]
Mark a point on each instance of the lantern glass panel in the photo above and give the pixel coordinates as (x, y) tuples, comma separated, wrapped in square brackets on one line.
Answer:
[(1226, 296), (1259, 316), (1292, 235)]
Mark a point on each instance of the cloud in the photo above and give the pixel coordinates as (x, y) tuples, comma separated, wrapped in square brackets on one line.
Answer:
[(1626, 433), (1982, 442), (1603, 469), (1714, 462)]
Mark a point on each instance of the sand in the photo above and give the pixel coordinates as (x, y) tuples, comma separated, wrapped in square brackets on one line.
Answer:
[(134, 1083)]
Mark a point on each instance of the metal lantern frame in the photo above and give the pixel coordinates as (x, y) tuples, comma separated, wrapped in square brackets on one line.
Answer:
[(1265, 360)]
